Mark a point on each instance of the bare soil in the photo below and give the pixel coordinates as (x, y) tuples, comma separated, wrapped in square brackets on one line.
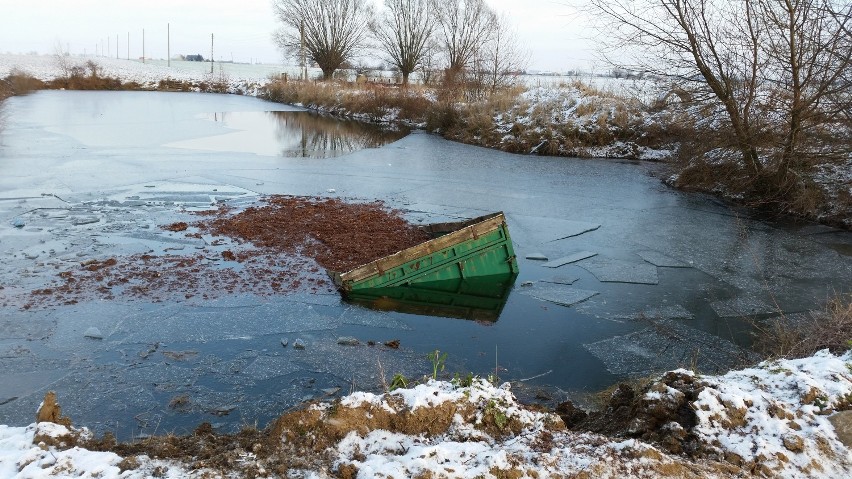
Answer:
[(338, 235)]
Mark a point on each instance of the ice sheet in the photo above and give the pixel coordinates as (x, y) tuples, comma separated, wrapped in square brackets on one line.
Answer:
[(618, 271), (558, 293), (571, 258)]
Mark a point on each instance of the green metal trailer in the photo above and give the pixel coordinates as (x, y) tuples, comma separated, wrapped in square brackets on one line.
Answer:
[(465, 270)]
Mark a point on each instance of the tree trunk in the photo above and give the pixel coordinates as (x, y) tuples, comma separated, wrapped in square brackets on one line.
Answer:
[(405, 78)]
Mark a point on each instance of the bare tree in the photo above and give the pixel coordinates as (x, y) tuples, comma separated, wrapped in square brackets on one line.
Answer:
[(809, 53), (503, 56), (430, 61), (333, 30), (776, 68), (710, 46), (403, 30), (464, 27)]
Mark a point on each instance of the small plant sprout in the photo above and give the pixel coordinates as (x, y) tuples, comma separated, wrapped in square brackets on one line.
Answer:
[(398, 381), (439, 362)]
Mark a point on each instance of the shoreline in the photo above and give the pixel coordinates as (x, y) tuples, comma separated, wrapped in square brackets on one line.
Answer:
[(776, 419), (566, 119)]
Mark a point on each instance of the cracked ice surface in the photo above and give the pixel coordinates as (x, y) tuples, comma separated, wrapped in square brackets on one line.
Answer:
[(743, 306), (659, 259), (667, 345), (674, 311), (560, 294), (618, 271), (571, 258)]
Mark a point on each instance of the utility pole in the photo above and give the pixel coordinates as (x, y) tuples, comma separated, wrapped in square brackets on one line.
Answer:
[(109, 49), (116, 46), (169, 44), (128, 45), (211, 53), (143, 45)]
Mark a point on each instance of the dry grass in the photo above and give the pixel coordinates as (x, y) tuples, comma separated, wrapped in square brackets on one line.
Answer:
[(503, 120), (797, 337), (375, 101)]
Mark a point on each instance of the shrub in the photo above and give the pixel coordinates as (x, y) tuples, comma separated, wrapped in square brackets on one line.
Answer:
[(801, 336)]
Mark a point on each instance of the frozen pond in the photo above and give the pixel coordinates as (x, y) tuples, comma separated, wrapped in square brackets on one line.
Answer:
[(624, 276)]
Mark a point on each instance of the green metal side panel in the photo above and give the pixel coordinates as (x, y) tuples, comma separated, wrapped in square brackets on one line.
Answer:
[(490, 254), (480, 299)]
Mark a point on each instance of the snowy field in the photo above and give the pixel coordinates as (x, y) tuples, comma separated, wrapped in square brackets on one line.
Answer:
[(242, 77), (47, 67)]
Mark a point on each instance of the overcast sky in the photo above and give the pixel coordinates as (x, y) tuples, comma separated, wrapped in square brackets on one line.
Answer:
[(555, 34)]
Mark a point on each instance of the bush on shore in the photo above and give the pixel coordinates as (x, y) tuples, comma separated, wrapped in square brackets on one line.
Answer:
[(799, 336), (19, 83)]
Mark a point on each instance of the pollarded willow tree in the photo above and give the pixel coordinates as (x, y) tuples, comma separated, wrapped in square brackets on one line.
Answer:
[(403, 30), (776, 69), (332, 31), (464, 27)]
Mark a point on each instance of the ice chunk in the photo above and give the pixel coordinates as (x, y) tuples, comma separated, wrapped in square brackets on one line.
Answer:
[(537, 257), (617, 271), (667, 345), (674, 311), (93, 333), (742, 306), (560, 294), (659, 259), (562, 279), (84, 220), (572, 258)]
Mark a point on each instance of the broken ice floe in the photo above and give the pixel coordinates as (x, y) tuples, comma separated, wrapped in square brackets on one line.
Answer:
[(560, 294), (618, 271), (563, 279), (659, 259), (93, 333), (742, 306), (674, 311), (667, 345), (84, 220), (571, 258)]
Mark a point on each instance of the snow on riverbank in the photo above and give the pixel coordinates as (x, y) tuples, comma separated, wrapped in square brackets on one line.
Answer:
[(773, 420)]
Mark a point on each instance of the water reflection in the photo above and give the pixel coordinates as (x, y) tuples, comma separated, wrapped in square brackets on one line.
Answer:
[(478, 299), (292, 134), (310, 135)]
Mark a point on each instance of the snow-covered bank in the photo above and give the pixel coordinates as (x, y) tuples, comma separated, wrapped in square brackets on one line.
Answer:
[(772, 420)]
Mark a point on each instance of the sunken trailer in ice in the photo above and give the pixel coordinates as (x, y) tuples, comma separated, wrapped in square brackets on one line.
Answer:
[(465, 271)]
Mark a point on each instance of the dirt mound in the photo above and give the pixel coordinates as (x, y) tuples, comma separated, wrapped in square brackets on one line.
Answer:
[(659, 413)]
